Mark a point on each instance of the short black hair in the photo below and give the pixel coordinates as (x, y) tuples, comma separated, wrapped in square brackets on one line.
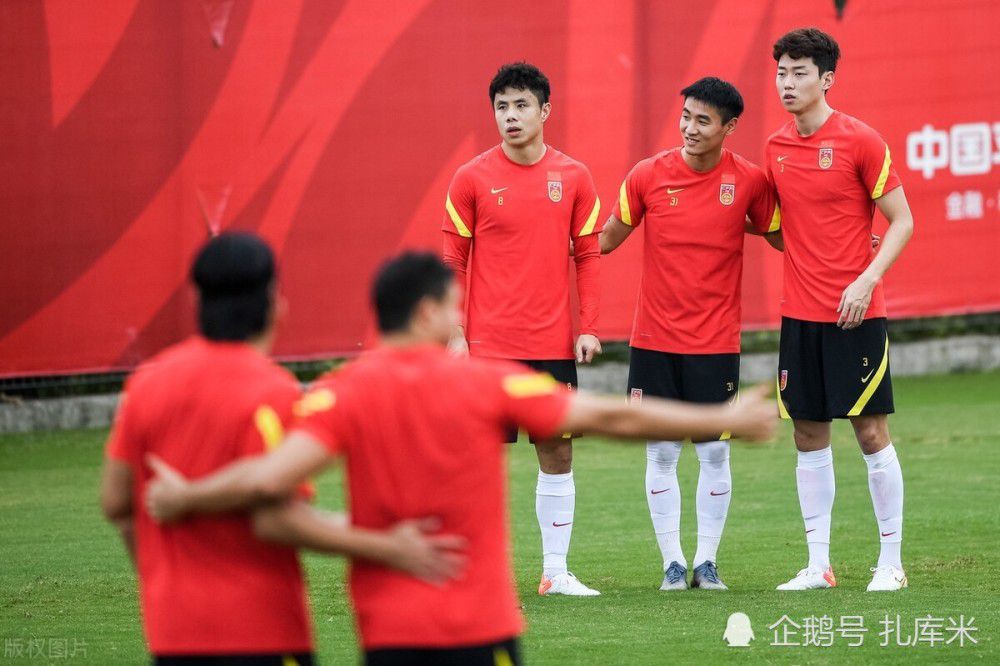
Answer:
[(809, 43), (520, 76), (234, 274), (401, 282), (721, 95)]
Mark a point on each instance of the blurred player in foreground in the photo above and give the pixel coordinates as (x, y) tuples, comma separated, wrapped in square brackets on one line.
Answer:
[(695, 201), (510, 213), (831, 172), (211, 590), (422, 433)]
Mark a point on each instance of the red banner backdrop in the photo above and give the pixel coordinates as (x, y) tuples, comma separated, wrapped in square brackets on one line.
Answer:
[(131, 128)]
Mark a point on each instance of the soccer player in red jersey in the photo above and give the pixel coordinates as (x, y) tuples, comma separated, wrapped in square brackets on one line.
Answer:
[(422, 433), (510, 213), (694, 202), (211, 591), (831, 172)]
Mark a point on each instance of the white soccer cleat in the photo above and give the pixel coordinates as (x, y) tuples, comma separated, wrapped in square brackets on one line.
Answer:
[(811, 578), (887, 578), (565, 583)]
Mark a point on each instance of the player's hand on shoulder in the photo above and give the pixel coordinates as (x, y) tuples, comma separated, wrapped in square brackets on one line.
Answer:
[(420, 552), (165, 491), (587, 346), (854, 302), (754, 416)]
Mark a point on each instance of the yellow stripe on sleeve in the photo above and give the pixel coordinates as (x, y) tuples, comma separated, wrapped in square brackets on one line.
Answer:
[(775, 219), (529, 385), (456, 219), (873, 386), (317, 400), (883, 175), (588, 228), (269, 426), (623, 205)]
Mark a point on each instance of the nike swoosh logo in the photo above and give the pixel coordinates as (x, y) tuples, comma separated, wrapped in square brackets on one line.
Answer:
[(715, 494), (864, 380), (554, 524), (887, 533), (670, 191), (493, 190), (812, 530), (782, 158), (657, 492)]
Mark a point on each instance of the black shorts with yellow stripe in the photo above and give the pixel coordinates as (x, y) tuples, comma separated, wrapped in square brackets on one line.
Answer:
[(701, 378), (825, 372), (563, 371), (274, 659), (501, 653)]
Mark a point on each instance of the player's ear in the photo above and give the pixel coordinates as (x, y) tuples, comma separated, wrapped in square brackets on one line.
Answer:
[(827, 80), (731, 125), (546, 110)]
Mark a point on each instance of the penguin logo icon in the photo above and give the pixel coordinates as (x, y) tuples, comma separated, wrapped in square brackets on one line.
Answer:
[(739, 633)]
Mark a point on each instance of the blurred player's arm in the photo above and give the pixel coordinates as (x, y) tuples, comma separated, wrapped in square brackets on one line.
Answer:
[(409, 546), (268, 483), (116, 501), (752, 417), (247, 482), (856, 298), (614, 234)]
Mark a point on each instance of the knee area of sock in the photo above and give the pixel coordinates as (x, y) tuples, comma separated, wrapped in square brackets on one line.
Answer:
[(556, 485), (815, 459), (664, 454), (713, 454), (880, 459)]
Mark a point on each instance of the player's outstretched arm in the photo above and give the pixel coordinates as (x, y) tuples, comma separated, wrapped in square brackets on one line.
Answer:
[(752, 417), (854, 301), (250, 481), (613, 234), (410, 546)]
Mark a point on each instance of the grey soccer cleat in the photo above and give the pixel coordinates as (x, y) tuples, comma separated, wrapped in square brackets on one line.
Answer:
[(675, 577), (706, 576)]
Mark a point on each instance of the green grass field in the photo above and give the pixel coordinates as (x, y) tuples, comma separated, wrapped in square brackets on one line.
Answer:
[(64, 576)]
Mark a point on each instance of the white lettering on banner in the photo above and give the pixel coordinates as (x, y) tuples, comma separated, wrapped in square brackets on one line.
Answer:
[(967, 149)]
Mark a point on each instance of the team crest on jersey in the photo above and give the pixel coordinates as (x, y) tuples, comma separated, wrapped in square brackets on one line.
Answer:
[(555, 191), (784, 380), (636, 396), (825, 158), (727, 194)]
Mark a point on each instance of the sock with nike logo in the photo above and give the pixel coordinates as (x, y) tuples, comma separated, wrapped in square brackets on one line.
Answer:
[(885, 481), (714, 494), (555, 499), (817, 488), (664, 499)]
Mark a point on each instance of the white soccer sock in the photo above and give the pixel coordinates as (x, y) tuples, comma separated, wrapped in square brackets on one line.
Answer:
[(555, 498), (664, 499), (714, 494), (885, 481), (817, 488)]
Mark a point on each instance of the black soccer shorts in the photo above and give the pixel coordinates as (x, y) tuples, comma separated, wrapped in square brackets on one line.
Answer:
[(825, 372), (501, 653), (298, 659), (701, 378)]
